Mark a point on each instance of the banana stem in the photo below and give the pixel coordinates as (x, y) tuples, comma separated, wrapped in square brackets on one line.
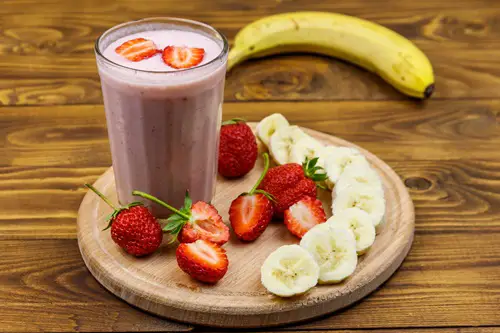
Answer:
[(266, 167), (161, 203), (106, 200)]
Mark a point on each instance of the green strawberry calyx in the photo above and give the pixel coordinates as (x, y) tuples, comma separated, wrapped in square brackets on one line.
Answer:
[(116, 210), (178, 219), (233, 121), (315, 172)]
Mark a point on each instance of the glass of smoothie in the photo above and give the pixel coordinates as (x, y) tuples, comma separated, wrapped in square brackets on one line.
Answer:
[(162, 83)]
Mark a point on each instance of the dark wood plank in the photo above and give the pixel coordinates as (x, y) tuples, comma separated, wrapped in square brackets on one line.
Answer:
[(46, 287), (444, 276), (393, 130), (48, 59)]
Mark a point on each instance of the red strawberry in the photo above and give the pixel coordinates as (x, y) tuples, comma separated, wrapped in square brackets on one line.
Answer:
[(303, 215), (237, 150), (133, 227), (137, 49), (193, 221), (180, 57), (291, 182), (202, 260), (251, 212)]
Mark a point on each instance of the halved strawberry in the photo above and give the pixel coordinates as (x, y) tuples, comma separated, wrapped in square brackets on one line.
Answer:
[(250, 215), (137, 49), (304, 215), (202, 260), (179, 57), (251, 212), (193, 221), (205, 223)]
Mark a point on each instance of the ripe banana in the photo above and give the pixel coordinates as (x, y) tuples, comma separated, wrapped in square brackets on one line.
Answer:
[(362, 197), (334, 249), (282, 141), (362, 174), (290, 270), (337, 159), (306, 147), (369, 45), (270, 124), (361, 225)]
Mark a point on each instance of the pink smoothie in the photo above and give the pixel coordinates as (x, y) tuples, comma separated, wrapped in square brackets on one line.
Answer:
[(163, 123)]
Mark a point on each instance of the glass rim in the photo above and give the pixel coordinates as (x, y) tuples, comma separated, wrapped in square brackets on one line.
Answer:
[(223, 52)]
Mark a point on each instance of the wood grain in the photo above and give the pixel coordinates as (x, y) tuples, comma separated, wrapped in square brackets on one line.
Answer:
[(445, 151), (393, 130), (419, 330), (48, 59), (46, 287), (444, 276), (155, 284)]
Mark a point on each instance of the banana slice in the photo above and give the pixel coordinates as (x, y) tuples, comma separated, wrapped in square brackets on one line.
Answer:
[(307, 147), (361, 225), (334, 249), (359, 173), (282, 141), (290, 270), (363, 197), (336, 159), (270, 124)]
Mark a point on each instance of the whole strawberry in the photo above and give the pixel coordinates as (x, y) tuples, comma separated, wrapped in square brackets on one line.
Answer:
[(238, 149), (250, 213), (193, 221), (291, 182), (133, 227)]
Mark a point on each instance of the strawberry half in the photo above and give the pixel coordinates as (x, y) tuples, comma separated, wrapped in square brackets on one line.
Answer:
[(251, 212), (193, 221), (180, 57), (137, 49), (202, 260), (304, 215), (205, 223)]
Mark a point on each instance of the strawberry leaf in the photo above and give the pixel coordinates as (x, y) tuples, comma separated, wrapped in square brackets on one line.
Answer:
[(188, 203), (233, 121), (173, 225), (312, 162)]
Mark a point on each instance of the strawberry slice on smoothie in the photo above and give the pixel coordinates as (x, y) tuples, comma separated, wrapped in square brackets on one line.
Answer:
[(181, 57), (137, 49)]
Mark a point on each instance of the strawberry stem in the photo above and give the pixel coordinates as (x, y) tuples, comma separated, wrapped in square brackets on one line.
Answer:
[(161, 203), (266, 167), (106, 200)]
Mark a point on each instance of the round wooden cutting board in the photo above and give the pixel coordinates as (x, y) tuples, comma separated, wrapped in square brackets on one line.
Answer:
[(156, 284)]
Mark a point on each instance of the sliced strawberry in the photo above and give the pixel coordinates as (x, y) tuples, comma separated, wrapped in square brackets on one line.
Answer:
[(193, 221), (179, 57), (304, 215), (137, 49), (205, 223), (202, 260), (250, 215)]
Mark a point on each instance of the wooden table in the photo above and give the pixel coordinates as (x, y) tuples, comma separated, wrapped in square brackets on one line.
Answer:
[(445, 149)]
